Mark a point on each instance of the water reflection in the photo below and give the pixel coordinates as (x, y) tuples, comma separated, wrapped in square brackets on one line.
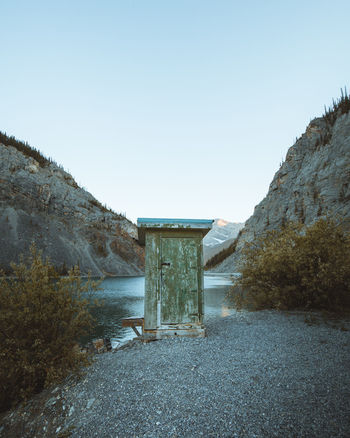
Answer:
[(123, 297)]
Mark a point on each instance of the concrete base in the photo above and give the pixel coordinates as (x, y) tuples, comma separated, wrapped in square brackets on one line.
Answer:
[(169, 331)]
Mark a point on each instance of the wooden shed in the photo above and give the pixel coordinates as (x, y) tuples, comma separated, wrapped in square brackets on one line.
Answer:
[(173, 276)]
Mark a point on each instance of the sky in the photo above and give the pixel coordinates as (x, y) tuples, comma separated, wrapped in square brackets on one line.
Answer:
[(170, 108)]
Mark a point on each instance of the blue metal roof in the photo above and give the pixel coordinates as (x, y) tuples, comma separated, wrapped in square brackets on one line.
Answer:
[(149, 221), (203, 225)]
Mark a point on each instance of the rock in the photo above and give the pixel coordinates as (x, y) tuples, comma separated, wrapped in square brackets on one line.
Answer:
[(100, 346), (90, 403), (313, 181), (32, 168)]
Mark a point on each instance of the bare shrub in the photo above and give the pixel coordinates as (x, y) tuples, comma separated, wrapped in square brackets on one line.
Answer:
[(296, 268), (42, 316)]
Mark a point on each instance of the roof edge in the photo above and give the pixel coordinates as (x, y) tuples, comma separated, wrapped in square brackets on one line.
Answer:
[(203, 225)]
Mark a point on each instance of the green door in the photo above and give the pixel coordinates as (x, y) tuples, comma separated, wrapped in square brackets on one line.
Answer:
[(179, 280)]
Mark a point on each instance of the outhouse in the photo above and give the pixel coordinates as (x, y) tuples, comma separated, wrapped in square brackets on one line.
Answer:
[(173, 276)]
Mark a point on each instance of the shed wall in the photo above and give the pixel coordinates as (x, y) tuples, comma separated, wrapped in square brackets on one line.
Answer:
[(152, 280), (153, 272)]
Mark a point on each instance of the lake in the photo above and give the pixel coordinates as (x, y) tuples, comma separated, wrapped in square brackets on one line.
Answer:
[(123, 297)]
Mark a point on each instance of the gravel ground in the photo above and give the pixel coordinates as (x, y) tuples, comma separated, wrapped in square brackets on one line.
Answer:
[(262, 374)]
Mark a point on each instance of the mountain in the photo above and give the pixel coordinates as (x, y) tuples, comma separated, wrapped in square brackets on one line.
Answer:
[(222, 234), (41, 203), (312, 182)]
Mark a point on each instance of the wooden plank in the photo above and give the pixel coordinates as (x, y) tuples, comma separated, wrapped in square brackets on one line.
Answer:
[(151, 279), (132, 322), (136, 332)]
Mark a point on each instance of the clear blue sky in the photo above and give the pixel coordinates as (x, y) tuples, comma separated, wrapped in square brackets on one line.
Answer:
[(170, 108)]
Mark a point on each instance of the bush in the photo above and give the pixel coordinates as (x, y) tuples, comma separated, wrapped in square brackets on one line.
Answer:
[(296, 268), (42, 317)]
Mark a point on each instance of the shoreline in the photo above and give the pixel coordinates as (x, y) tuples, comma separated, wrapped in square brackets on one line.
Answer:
[(264, 373), (96, 277)]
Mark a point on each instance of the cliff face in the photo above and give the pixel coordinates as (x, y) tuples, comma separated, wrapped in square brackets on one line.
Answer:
[(43, 204), (314, 181)]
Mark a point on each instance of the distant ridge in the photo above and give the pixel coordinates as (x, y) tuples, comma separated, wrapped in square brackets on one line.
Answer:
[(221, 236)]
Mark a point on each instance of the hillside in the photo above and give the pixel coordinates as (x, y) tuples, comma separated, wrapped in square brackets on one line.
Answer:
[(220, 237), (313, 181), (41, 203)]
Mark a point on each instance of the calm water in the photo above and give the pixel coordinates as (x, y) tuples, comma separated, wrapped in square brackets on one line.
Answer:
[(123, 297)]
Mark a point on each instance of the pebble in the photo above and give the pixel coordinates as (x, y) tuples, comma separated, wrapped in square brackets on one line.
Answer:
[(90, 403), (257, 374), (260, 374)]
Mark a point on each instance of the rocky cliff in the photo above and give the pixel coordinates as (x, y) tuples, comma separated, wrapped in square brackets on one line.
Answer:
[(313, 181), (41, 203)]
